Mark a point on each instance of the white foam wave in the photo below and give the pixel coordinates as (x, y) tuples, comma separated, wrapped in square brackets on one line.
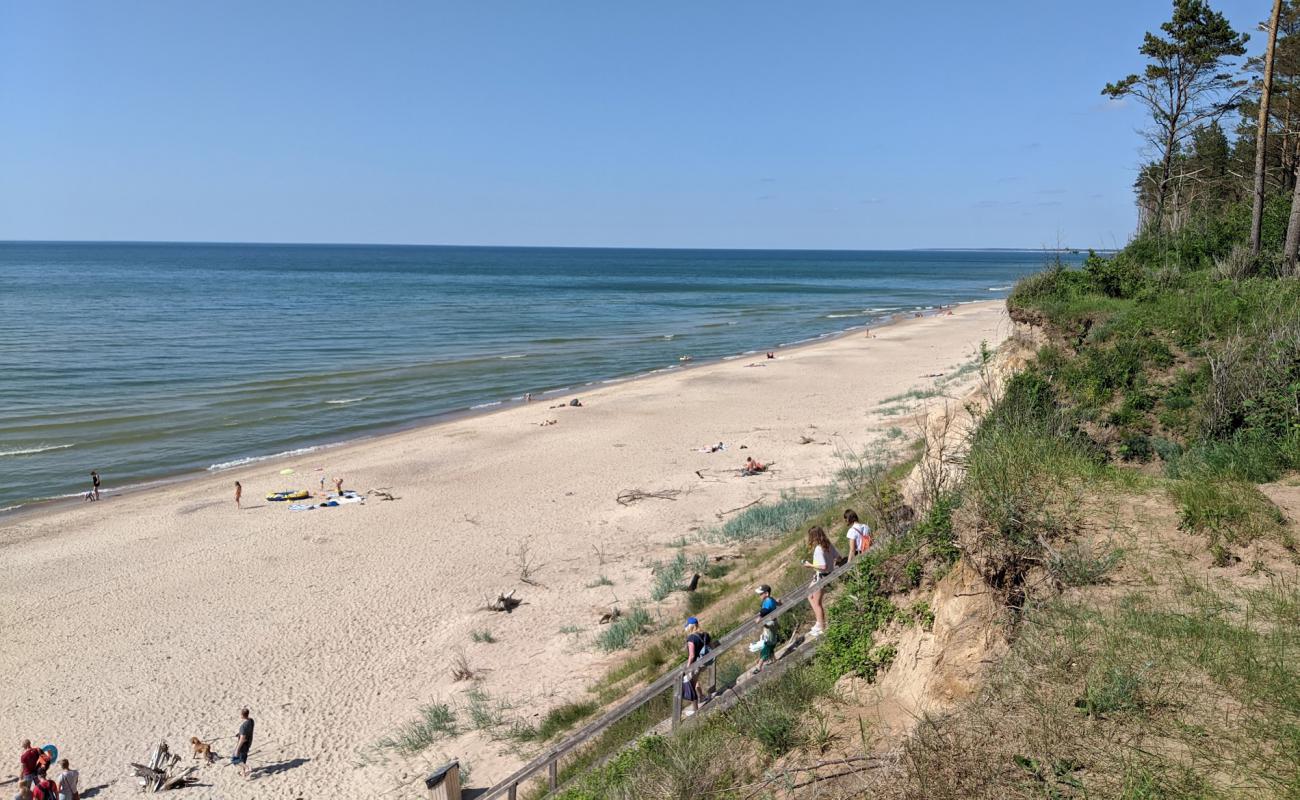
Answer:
[(239, 462), (485, 405), (11, 508), (40, 448), (998, 288), (345, 401), (515, 355)]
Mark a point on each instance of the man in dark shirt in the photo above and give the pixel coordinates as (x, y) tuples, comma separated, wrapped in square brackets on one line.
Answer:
[(243, 741), (29, 760)]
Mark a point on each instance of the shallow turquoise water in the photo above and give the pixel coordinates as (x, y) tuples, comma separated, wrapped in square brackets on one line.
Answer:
[(149, 360)]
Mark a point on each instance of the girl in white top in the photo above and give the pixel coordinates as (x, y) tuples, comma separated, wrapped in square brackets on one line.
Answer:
[(858, 534), (822, 564)]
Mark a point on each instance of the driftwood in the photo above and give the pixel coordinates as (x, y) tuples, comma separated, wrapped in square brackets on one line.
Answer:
[(383, 493), (157, 776), (721, 514), (629, 496), (505, 602), (610, 616)]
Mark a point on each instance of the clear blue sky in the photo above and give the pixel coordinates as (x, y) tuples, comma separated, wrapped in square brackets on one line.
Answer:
[(856, 124)]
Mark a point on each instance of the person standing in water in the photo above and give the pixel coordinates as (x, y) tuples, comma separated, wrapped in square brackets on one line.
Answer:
[(239, 490), (94, 483)]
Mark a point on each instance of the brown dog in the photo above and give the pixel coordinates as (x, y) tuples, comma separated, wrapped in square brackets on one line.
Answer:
[(201, 749)]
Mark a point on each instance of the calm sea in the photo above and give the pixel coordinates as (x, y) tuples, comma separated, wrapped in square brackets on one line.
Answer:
[(150, 360)]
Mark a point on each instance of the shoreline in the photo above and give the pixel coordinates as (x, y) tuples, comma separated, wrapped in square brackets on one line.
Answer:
[(28, 508), (159, 615)]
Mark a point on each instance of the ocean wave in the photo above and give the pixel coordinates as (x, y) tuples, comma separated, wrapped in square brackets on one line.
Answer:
[(240, 462), (40, 448), (514, 355), (492, 404), (11, 508), (998, 288), (345, 401)]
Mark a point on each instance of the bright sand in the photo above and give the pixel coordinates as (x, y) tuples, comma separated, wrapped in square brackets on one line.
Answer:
[(158, 614)]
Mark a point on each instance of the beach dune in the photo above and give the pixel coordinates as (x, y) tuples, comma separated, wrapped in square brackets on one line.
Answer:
[(156, 615)]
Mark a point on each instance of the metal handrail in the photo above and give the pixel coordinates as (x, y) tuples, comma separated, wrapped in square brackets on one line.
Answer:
[(551, 758)]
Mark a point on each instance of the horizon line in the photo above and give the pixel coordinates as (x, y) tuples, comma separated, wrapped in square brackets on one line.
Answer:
[(1056, 249)]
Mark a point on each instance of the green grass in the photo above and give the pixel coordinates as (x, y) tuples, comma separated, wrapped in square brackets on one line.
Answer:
[(620, 633), (600, 581), (761, 521), (436, 721), (668, 576), (482, 636), (1228, 512)]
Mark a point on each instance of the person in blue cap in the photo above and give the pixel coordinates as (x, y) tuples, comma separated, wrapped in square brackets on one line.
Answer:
[(697, 645)]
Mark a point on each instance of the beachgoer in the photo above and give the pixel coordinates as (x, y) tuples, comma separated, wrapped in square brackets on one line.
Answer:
[(29, 760), (822, 564), (338, 486), (528, 397), (575, 403), (94, 483), (753, 467), (766, 645), (239, 490), (767, 603), (771, 355), (24, 789), (243, 741), (697, 645), (858, 534), (68, 779), (44, 789)]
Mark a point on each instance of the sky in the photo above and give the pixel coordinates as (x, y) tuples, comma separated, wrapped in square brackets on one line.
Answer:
[(755, 124)]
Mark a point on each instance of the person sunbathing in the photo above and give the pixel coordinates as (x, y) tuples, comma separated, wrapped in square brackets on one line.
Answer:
[(753, 467)]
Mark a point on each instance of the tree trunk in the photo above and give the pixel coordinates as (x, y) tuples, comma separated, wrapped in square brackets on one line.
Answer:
[(1293, 225), (1167, 169), (1261, 133)]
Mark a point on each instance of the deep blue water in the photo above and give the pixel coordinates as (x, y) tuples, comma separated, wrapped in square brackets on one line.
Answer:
[(149, 360)]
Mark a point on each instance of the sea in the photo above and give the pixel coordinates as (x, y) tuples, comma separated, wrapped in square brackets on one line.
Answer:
[(150, 361)]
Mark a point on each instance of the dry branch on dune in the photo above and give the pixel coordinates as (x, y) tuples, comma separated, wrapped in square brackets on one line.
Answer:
[(629, 496)]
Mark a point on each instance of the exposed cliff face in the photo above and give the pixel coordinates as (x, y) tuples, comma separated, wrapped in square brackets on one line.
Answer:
[(937, 669)]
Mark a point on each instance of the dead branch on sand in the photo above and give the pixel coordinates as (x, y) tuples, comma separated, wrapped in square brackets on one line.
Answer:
[(505, 602), (629, 496)]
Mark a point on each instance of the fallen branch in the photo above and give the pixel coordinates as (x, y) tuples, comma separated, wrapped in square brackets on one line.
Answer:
[(629, 496), (505, 602), (721, 514)]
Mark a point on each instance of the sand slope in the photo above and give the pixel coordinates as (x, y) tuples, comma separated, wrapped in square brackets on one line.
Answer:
[(156, 615)]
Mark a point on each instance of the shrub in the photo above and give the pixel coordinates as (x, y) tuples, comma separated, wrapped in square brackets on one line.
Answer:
[(860, 609), (668, 577)]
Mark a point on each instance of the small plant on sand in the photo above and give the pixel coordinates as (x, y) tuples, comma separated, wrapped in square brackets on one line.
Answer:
[(526, 564), (460, 668), (668, 576), (436, 721), (483, 637), (620, 633), (600, 581)]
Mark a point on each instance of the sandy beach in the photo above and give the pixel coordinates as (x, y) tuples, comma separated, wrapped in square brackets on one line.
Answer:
[(158, 614)]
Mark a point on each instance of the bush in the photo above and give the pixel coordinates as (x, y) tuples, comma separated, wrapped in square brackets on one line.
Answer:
[(860, 609)]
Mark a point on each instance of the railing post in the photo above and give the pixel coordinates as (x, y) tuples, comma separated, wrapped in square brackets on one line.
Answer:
[(677, 704), (552, 770), (713, 677), (510, 795)]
